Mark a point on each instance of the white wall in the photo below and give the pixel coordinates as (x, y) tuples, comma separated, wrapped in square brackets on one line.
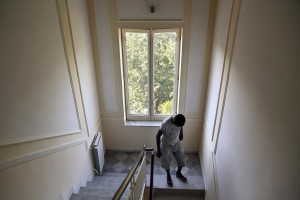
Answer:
[(194, 23), (258, 145), (217, 60), (218, 49), (164, 9), (196, 85), (50, 112)]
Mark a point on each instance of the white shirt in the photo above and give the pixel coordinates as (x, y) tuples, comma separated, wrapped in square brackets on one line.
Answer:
[(171, 131)]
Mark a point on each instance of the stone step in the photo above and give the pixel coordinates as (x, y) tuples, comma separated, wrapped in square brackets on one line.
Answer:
[(193, 183), (89, 197), (174, 192), (93, 197), (97, 191), (107, 180), (102, 187), (87, 193), (118, 177), (111, 174), (177, 195), (104, 184), (100, 191)]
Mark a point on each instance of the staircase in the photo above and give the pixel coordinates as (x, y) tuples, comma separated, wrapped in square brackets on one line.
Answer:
[(117, 166), (103, 187)]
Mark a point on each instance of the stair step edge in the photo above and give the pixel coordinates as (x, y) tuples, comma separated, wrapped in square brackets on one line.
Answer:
[(108, 178), (179, 191), (99, 191), (103, 185), (90, 197)]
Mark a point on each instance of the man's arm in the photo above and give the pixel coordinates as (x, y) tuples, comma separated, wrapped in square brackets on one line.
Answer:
[(158, 136)]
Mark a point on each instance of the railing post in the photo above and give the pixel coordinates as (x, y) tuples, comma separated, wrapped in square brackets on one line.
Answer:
[(151, 175), (132, 188), (151, 172)]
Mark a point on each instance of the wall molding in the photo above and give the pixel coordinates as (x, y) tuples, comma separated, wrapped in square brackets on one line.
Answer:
[(35, 155), (68, 41), (67, 57), (37, 137), (32, 130), (233, 23)]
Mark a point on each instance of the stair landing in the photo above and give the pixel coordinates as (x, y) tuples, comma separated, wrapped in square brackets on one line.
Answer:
[(193, 183)]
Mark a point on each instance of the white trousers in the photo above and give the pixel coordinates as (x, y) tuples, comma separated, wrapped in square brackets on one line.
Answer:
[(167, 151)]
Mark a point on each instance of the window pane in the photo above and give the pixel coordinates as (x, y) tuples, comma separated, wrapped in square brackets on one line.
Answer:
[(137, 72), (164, 49)]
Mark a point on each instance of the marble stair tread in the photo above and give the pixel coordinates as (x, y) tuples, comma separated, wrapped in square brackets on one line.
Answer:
[(193, 183), (113, 177), (111, 174), (114, 174), (108, 183), (93, 197), (100, 191), (89, 197)]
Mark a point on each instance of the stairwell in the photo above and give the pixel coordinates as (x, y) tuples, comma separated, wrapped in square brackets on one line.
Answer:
[(118, 164)]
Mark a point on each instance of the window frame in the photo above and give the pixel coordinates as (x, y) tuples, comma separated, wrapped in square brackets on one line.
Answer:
[(178, 54)]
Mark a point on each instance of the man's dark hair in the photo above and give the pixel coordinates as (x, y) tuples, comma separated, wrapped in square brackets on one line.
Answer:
[(179, 120)]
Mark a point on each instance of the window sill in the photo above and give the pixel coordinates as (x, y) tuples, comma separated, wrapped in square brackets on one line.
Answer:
[(143, 123)]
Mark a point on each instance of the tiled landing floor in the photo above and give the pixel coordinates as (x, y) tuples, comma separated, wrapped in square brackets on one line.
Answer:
[(121, 162)]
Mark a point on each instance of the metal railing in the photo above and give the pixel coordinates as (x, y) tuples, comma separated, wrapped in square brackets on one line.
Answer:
[(137, 180)]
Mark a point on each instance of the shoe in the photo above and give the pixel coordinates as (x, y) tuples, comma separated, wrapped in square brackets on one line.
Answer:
[(169, 182), (181, 177)]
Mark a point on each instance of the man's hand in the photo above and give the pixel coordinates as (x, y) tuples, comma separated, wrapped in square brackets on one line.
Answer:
[(181, 134), (181, 137), (158, 154), (158, 136)]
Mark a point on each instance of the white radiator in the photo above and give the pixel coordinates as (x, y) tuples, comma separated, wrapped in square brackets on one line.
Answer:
[(98, 152)]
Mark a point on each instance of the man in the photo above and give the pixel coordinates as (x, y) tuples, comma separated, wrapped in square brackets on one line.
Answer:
[(168, 142)]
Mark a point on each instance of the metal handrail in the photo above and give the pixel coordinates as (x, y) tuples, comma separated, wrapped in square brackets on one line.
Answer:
[(129, 176)]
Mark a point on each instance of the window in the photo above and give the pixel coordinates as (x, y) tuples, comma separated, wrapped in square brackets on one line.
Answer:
[(150, 72)]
